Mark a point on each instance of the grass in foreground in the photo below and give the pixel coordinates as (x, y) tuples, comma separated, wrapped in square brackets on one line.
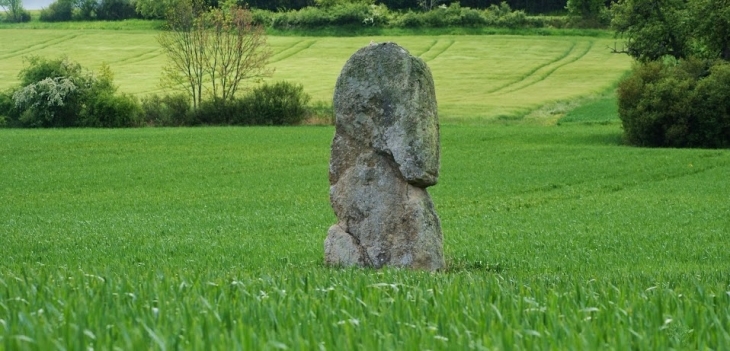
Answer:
[(556, 238)]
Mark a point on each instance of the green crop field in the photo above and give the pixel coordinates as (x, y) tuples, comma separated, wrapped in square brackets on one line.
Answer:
[(556, 234), (556, 237), (477, 77)]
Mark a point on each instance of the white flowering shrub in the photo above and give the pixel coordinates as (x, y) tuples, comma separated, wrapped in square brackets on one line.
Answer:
[(59, 93), (44, 100)]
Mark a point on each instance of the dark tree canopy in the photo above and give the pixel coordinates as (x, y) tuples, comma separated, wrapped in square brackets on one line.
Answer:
[(678, 28)]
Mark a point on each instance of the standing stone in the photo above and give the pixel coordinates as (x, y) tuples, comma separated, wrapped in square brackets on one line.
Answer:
[(384, 154)]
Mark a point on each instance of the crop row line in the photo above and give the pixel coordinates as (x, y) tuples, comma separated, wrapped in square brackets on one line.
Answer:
[(39, 45), (530, 81), (292, 50)]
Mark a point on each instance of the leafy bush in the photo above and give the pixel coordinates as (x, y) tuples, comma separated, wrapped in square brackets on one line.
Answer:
[(281, 103), (14, 11), (51, 102), (262, 17), (59, 93), (85, 10), (359, 13), (115, 10), (218, 112), (677, 104), (472, 18), (112, 111), (310, 17), (514, 19), (61, 10), (320, 113), (340, 14), (7, 108), (350, 14), (588, 13), (167, 110), (20, 16), (410, 19)]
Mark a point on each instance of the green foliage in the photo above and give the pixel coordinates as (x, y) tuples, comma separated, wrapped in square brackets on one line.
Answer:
[(59, 11), (7, 108), (589, 13), (340, 14), (86, 10), (50, 102), (711, 27), (110, 110), (671, 98), (280, 103), (657, 28), (14, 11), (674, 104), (262, 18), (166, 110), (154, 9), (212, 51), (332, 3), (360, 14), (59, 93), (115, 10)]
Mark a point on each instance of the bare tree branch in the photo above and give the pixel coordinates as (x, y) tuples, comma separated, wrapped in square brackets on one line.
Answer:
[(213, 52)]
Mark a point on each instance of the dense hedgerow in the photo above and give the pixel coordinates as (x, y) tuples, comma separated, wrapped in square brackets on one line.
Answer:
[(677, 104), (59, 11), (166, 110), (346, 14), (280, 103), (359, 14), (15, 14), (60, 93), (87, 10)]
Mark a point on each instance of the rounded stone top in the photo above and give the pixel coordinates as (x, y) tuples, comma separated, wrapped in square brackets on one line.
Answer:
[(385, 100)]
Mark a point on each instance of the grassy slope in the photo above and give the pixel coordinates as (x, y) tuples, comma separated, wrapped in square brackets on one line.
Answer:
[(147, 236), (477, 77)]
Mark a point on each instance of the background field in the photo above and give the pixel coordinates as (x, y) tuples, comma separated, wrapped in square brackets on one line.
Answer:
[(477, 77)]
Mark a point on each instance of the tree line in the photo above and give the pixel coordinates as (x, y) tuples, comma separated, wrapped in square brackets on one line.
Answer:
[(67, 10)]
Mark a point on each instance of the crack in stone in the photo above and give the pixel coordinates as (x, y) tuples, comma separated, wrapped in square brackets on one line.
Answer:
[(362, 250)]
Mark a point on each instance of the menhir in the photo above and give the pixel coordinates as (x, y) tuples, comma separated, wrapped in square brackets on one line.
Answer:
[(384, 154)]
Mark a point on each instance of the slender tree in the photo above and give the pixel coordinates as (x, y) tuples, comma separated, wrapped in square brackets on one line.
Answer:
[(236, 51), (212, 51), (13, 9)]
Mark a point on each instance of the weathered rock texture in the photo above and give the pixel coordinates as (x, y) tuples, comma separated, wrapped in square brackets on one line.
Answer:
[(384, 154)]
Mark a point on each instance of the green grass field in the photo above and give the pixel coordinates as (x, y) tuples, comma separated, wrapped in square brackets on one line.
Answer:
[(557, 236), (477, 77)]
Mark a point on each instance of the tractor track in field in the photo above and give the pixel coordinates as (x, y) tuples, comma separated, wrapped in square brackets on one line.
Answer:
[(292, 50), (139, 58), (542, 72), (39, 45), (437, 48)]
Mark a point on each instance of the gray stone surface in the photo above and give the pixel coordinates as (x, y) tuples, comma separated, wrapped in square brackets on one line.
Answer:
[(384, 154)]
